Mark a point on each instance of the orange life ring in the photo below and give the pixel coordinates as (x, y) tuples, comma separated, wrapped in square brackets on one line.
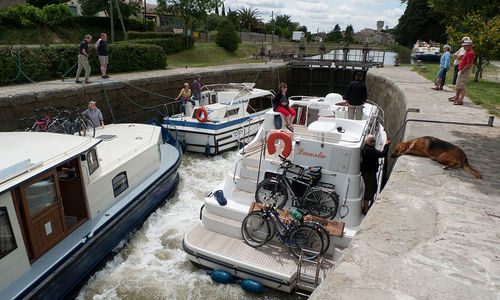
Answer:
[(198, 113), (271, 148)]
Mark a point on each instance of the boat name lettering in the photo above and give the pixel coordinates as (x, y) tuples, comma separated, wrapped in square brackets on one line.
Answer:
[(301, 151)]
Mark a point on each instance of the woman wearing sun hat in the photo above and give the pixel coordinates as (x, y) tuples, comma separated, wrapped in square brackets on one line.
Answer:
[(444, 67), (463, 73)]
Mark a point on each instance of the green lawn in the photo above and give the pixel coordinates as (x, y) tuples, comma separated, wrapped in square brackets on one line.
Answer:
[(209, 54), (484, 92)]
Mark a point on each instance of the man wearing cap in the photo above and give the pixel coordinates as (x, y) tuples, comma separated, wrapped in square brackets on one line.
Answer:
[(197, 88), (444, 65), (463, 73), (83, 60)]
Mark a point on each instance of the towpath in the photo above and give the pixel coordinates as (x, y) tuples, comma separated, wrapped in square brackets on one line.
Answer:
[(433, 233)]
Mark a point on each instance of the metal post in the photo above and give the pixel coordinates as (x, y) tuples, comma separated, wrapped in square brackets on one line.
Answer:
[(145, 18), (121, 19), (112, 21)]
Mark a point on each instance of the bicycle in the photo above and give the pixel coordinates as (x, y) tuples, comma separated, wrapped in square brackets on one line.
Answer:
[(83, 126), (319, 199), (261, 226)]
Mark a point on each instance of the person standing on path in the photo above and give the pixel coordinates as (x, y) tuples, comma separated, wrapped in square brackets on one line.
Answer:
[(463, 73), (444, 65), (197, 88), (356, 95), (458, 56), (103, 52), (94, 114), (83, 60), (369, 168)]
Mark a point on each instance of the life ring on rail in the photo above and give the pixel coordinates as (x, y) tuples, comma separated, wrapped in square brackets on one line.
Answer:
[(271, 147), (198, 113)]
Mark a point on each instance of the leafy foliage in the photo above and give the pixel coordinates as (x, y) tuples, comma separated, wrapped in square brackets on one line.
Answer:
[(349, 34), (335, 35), (42, 3), (457, 8), (248, 17), (46, 63), (285, 21), (419, 22), (227, 37), (484, 34), (170, 45), (92, 7)]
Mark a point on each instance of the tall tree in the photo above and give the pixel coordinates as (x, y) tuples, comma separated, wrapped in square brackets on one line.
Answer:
[(349, 34), (335, 35), (92, 7), (485, 35), (186, 9), (223, 10), (419, 22), (285, 21), (249, 17)]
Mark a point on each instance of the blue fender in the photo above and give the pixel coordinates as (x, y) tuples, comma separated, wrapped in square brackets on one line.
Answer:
[(252, 286), (221, 276)]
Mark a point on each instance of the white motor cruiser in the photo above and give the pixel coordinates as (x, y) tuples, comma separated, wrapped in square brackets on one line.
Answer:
[(66, 201), (322, 138), (226, 116)]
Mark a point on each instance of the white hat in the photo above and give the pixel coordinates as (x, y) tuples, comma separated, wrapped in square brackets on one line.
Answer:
[(466, 41)]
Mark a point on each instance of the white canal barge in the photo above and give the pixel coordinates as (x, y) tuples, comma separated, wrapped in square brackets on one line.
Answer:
[(323, 136), (66, 201), (226, 115)]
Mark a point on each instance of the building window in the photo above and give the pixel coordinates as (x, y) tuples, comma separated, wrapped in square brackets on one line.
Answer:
[(92, 161), (7, 240), (120, 183), (73, 10)]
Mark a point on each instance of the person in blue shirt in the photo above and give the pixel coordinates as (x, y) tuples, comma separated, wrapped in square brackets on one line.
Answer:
[(444, 66)]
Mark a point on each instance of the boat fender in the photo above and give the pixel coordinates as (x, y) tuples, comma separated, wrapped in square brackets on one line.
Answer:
[(219, 196), (198, 114), (221, 276), (278, 122), (252, 286), (271, 147), (207, 148)]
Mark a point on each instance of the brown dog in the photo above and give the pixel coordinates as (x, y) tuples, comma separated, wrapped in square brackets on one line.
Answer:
[(443, 152)]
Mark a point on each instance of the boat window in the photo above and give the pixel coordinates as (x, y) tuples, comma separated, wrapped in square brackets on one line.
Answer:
[(7, 240), (92, 161), (231, 112), (120, 183), (259, 104), (40, 195)]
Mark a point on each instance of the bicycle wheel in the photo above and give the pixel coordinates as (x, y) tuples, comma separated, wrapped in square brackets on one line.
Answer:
[(307, 238), (321, 203), (269, 191), (255, 229), (86, 128), (324, 234)]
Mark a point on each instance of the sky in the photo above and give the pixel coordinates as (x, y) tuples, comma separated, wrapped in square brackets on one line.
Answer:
[(322, 15)]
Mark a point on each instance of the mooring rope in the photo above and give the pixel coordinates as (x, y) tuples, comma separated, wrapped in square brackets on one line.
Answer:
[(109, 104)]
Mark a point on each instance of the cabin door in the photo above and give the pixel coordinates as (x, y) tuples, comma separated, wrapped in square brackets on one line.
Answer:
[(44, 217)]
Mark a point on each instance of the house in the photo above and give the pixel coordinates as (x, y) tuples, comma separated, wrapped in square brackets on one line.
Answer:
[(8, 3), (372, 36)]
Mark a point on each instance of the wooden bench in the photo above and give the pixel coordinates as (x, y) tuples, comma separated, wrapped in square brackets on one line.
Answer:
[(333, 227)]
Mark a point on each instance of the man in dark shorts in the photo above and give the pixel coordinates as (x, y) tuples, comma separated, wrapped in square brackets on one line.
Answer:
[(197, 88), (103, 52), (369, 168), (355, 95), (83, 60)]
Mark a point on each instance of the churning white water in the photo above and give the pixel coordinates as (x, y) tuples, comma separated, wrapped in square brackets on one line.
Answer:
[(152, 264)]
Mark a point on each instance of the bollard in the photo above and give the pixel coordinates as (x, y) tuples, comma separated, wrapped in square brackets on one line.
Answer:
[(419, 63), (490, 120)]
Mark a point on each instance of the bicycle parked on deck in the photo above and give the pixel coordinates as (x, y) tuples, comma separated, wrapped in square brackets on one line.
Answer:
[(319, 199), (261, 226)]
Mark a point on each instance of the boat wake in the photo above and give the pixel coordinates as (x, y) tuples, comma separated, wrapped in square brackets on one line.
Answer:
[(152, 264)]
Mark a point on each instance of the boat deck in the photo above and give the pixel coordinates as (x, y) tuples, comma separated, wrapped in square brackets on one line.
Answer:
[(272, 259)]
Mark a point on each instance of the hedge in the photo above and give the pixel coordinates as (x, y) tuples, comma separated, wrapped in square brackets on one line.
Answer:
[(171, 45), (46, 63), (130, 23)]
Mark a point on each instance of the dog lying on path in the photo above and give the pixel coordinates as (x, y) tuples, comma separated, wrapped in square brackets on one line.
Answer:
[(443, 152)]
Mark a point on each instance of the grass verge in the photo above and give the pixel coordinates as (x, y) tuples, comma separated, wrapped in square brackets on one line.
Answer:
[(484, 92)]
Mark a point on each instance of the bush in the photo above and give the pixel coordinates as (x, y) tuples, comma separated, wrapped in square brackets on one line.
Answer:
[(177, 40), (47, 63), (227, 37)]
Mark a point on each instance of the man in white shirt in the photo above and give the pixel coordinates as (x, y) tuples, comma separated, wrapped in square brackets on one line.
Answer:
[(458, 56)]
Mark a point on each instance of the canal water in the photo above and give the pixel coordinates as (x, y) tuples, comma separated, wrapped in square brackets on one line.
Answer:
[(152, 264)]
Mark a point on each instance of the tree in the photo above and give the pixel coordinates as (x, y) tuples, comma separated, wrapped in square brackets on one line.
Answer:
[(419, 22), (285, 21), (42, 3), (187, 9), (227, 37), (223, 10), (485, 35), (233, 17), (349, 34), (335, 35), (92, 7), (249, 17)]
